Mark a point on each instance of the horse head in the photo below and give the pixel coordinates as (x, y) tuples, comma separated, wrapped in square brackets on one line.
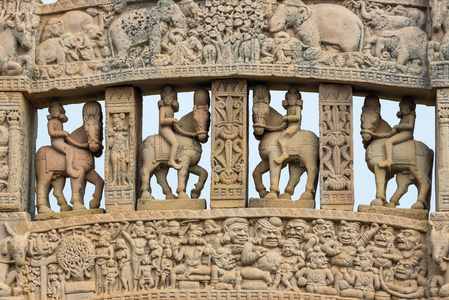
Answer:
[(93, 126), (201, 114), (370, 117), (261, 108), (21, 30), (16, 245)]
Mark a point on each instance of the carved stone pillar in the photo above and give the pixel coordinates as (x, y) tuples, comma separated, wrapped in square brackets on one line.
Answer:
[(123, 137), (336, 147), (229, 153), (18, 128), (442, 150)]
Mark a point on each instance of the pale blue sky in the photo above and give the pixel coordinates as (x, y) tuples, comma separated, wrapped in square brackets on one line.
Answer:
[(364, 179)]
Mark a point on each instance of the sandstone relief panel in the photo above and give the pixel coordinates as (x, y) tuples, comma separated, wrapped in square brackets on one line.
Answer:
[(70, 156), (177, 146), (283, 143), (96, 40), (217, 254), (393, 152)]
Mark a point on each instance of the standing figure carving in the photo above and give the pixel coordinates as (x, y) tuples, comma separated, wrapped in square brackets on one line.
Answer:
[(70, 156), (409, 160), (274, 133), (177, 145)]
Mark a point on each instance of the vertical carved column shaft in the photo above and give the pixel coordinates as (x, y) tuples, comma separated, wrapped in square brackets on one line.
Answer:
[(336, 147), (18, 128), (442, 150), (229, 144), (123, 137)]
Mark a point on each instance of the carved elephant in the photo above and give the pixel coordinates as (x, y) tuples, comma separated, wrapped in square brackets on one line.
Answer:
[(418, 16), (146, 27), (406, 44), (320, 25), (70, 22), (380, 20), (54, 50)]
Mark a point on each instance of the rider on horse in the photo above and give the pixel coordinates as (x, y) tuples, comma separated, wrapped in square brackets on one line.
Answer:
[(293, 105), (58, 135), (168, 105), (401, 132)]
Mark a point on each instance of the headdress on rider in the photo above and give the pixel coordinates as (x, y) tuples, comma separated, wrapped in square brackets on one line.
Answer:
[(292, 93), (62, 117)]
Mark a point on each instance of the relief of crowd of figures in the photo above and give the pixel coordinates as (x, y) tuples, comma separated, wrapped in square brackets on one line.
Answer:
[(348, 259), (121, 35)]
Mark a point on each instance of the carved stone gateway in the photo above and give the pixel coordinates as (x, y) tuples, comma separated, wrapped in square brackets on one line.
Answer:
[(260, 242)]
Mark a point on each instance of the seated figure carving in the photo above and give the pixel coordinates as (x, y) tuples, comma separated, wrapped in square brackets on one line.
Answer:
[(177, 145), (393, 152), (274, 133)]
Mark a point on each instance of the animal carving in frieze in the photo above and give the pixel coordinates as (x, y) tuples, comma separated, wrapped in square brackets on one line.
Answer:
[(274, 133), (15, 38), (13, 252), (320, 25), (177, 145), (405, 46), (147, 28), (393, 152), (439, 10), (70, 156)]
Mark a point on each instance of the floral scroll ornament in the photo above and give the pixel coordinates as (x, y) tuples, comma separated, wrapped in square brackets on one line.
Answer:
[(228, 146), (336, 156)]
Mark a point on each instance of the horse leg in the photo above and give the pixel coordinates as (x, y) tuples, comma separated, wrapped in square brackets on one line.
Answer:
[(98, 182), (182, 177), (261, 169), (295, 171), (275, 174), (423, 185), (77, 185), (403, 181), (202, 177), (161, 177), (312, 168), (58, 186), (381, 184), (43, 181)]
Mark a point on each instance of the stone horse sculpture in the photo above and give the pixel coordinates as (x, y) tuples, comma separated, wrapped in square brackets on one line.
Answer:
[(190, 131), (268, 126), (51, 169), (412, 160), (13, 250)]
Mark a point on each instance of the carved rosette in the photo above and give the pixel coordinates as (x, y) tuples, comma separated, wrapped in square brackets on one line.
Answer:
[(229, 143), (336, 147), (123, 136)]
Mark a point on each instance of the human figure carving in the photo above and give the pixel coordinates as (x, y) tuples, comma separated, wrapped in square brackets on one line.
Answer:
[(235, 235), (293, 259), (261, 257), (402, 132), (316, 277), (58, 135), (119, 150), (168, 105), (123, 255), (412, 166), (224, 275), (293, 105), (110, 274), (299, 230), (137, 241)]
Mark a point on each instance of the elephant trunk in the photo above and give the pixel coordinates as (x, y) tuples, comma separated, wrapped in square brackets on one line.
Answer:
[(365, 15), (277, 21)]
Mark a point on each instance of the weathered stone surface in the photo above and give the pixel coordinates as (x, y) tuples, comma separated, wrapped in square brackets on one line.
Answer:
[(66, 214), (416, 214), (336, 147), (18, 124), (70, 156), (442, 150), (167, 204), (123, 136), (229, 153), (266, 203)]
